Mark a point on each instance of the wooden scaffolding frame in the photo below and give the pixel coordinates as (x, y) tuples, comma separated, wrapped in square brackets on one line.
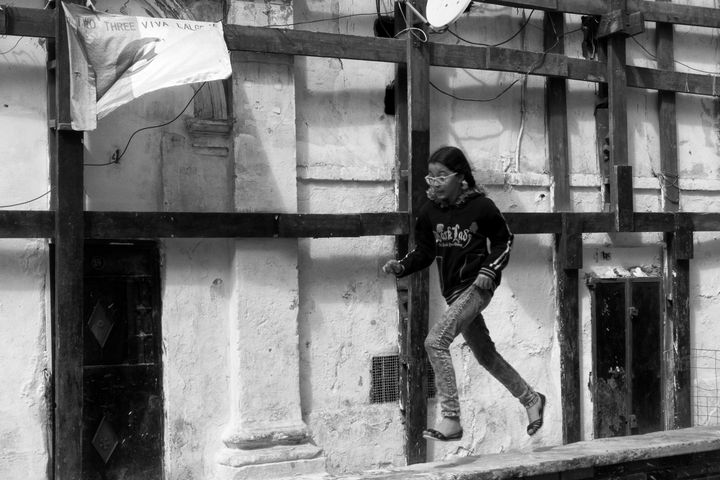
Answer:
[(69, 226)]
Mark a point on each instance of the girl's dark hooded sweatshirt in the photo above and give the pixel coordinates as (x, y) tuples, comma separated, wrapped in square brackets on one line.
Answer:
[(457, 236)]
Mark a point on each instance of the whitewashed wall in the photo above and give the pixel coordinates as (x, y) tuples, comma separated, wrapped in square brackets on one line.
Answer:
[(24, 279)]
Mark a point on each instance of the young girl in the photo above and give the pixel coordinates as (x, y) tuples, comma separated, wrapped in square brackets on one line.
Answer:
[(454, 227)]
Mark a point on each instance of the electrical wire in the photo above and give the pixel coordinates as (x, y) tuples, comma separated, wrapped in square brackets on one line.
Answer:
[(522, 27), (668, 181), (523, 109), (654, 57), (27, 201), (117, 156), (414, 30), (533, 67), (13, 47), (411, 29)]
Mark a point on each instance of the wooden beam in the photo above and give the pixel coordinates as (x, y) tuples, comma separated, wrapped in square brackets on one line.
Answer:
[(568, 244), (678, 251), (704, 222), (116, 225), (313, 44), (68, 321), (658, 11), (653, 222), (678, 384), (670, 190), (568, 254), (27, 224), (653, 11), (27, 22), (683, 238), (342, 225), (402, 156), (119, 225), (556, 115), (499, 59), (622, 197), (697, 84), (556, 65), (33, 22), (297, 42), (418, 70), (571, 242), (621, 21)]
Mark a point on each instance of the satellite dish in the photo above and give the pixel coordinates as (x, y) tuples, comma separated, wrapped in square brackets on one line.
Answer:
[(443, 12)]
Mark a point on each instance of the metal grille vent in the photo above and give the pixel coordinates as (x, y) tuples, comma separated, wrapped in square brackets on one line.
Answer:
[(385, 379), (385, 382)]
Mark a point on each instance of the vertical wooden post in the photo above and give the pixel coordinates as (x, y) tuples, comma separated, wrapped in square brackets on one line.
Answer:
[(568, 245), (677, 380), (617, 110), (679, 245), (401, 241), (556, 114), (568, 261), (69, 239), (418, 108)]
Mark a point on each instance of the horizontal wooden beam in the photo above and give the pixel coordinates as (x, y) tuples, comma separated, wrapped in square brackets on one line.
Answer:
[(652, 11), (296, 42), (314, 44), (241, 225), (34, 22), (499, 59), (27, 224), (128, 225), (27, 22)]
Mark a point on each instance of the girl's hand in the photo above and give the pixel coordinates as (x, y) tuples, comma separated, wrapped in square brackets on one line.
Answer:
[(393, 266), (484, 283)]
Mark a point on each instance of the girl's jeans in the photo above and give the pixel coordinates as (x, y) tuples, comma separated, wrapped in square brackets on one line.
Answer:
[(464, 316)]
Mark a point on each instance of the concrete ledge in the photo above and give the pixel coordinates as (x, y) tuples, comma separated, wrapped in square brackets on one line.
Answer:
[(552, 461)]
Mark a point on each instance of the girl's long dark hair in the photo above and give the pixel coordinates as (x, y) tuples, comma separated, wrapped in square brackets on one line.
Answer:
[(456, 161)]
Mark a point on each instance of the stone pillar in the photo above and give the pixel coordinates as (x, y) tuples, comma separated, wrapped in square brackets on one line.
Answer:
[(266, 436)]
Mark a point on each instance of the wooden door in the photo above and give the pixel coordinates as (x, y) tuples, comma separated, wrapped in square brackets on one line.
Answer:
[(122, 370), (627, 356)]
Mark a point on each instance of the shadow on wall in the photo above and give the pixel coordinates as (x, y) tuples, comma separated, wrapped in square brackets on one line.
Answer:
[(19, 257)]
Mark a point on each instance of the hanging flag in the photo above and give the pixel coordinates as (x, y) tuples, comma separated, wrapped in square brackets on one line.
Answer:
[(116, 58)]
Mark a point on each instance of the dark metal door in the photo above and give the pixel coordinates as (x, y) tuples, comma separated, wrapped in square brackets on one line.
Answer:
[(646, 367), (122, 371), (627, 356), (609, 360)]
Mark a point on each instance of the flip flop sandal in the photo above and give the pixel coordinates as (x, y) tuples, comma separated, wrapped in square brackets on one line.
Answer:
[(535, 425), (433, 434)]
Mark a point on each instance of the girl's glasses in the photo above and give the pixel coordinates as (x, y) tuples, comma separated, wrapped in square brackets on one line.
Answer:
[(437, 181)]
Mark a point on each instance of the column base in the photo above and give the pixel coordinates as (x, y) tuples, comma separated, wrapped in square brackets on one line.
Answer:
[(271, 463)]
